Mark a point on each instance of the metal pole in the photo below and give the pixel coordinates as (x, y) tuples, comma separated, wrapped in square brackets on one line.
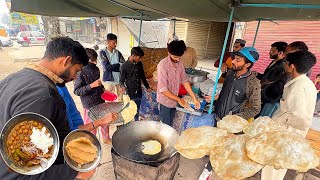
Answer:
[(255, 36), (122, 5), (208, 37), (174, 28), (221, 58), (292, 6), (141, 14)]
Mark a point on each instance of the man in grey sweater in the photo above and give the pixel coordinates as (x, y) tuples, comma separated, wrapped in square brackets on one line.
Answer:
[(33, 89)]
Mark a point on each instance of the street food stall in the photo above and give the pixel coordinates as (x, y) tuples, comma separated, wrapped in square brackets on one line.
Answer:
[(225, 11), (149, 106)]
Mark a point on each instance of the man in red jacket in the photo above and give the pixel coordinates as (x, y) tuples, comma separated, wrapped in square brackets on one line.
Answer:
[(227, 60)]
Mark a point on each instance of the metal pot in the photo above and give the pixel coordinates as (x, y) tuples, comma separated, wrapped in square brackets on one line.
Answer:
[(196, 76), (127, 141)]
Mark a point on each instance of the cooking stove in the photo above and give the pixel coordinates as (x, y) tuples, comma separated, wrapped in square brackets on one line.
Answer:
[(125, 169)]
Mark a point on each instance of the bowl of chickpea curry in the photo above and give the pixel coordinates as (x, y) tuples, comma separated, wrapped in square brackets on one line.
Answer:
[(29, 143)]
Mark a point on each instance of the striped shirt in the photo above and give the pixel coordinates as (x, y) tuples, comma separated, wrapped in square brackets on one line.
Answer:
[(170, 76)]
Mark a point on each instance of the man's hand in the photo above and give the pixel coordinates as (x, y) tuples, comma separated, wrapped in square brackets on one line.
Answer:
[(109, 118), (149, 90), (153, 87), (123, 89), (216, 97), (209, 98), (196, 103), (85, 175), (95, 84), (224, 67), (183, 103)]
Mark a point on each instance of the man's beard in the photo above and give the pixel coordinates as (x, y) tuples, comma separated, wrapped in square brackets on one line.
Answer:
[(289, 76), (174, 61), (66, 76), (274, 56), (239, 68)]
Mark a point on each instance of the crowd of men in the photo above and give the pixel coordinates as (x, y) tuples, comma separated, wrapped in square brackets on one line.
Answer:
[(283, 92)]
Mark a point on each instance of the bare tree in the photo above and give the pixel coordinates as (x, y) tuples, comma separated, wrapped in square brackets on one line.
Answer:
[(104, 24), (51, 26)]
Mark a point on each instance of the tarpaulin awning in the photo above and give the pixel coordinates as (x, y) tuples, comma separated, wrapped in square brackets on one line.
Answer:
[(81, 8), (212, 10)]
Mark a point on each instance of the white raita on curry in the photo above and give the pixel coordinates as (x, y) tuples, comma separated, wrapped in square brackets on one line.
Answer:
[(41, 139)]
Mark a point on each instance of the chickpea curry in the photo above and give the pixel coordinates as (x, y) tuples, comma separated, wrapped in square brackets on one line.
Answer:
[(21, 147)]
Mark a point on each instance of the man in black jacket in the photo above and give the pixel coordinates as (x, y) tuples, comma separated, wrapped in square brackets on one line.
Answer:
[(88, 86), (132, 73), (274, 77), (240, 94), (33, 89)]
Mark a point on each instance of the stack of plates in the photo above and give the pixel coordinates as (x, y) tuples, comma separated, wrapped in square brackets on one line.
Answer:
[(206, 87), (315, 123), (101, 110)]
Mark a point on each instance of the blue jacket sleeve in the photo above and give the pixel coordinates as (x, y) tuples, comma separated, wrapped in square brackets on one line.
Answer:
[(75, 115), (106, 63), (63, 91)]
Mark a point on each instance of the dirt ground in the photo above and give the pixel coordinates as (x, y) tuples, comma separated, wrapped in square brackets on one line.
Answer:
[(13, 59)]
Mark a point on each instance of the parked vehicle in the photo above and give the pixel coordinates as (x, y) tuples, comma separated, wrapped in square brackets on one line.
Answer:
[(3, 32), (26, 38), (5, 41)]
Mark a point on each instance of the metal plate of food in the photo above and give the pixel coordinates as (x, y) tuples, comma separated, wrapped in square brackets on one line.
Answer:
[(189, 110), (99, 111), (82, 150), (192, 110), (29, 143)]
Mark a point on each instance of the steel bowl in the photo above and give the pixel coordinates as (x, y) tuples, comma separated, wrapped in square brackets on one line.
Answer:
[(128, 139), (82, 133), (197, 76), (10, 125)]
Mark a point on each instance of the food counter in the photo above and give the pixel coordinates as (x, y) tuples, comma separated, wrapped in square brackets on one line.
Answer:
[(149, 111)]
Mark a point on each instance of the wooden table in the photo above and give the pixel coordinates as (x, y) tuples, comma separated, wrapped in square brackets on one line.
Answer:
[(313, 137)]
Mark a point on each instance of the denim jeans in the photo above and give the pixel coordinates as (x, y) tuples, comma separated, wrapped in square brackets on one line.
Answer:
[(138, 102), (269, 109), (167, 114)]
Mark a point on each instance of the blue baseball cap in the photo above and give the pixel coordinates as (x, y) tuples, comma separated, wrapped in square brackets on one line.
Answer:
[(250, 53)]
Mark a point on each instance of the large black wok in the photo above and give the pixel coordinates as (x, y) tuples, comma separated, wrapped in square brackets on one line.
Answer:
[(127, 141)]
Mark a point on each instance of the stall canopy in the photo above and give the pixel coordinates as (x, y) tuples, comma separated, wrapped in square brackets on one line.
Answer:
[(211, 10)]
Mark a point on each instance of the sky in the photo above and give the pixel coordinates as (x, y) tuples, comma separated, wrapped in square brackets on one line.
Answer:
[(3, 7)]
